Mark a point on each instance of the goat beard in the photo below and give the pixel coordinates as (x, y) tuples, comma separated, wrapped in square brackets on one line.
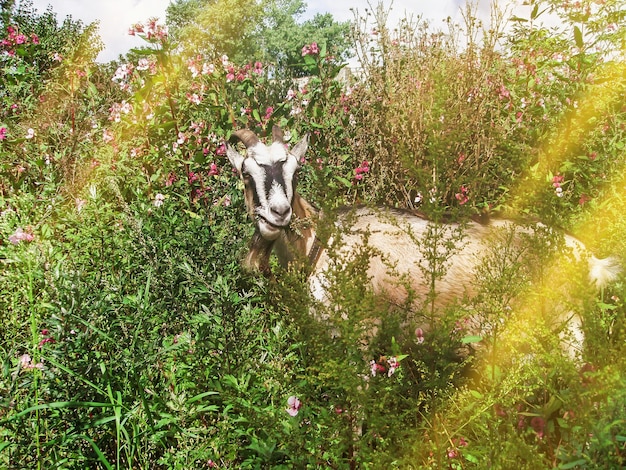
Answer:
[(258, 257)]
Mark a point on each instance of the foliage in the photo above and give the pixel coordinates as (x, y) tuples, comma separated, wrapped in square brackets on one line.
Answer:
[(132, 338), (268, 31)]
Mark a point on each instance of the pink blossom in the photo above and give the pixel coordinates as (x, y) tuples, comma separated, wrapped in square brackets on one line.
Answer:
[(419, 334), (194, 98), (107, 136), (170, 179), (538, 424), (376, 368), (221, 149), (214, 170), (462, 195), (25, 362), (293, 405), (393, 364), (360, 171), (158, 200), (80, 204), (3, 133), (21, 236)]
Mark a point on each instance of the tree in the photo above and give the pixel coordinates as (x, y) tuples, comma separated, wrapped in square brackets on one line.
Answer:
[(248, 30)]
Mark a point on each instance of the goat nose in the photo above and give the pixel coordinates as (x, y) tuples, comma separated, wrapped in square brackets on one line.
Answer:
[(281, 211)]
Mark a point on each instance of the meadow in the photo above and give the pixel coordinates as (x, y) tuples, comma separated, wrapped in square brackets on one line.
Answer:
[(133, 339)]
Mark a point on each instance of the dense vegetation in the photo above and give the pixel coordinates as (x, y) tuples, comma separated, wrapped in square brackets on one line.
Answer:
[(133, 339)]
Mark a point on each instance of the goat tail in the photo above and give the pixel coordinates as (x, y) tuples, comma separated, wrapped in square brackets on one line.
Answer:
[(603, 271)]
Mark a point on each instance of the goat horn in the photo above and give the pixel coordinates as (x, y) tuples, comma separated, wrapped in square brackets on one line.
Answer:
[(246, 136), (277, 134)]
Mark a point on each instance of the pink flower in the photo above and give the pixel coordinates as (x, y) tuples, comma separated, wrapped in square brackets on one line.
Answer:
[(107, 136), (462, 195), (538, 424), (419, 334), (214, 170), (21, 236), (194, 98), (170, 179), (158, 200), (293, 405), (3, 133), (360, 171), (376, 368), (80, 203), (393, 364), (25, 362), (557, 180)]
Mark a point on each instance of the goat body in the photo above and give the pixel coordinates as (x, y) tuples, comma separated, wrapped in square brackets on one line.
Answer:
[(404, 261)]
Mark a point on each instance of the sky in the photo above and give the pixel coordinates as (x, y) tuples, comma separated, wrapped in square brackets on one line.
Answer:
[(116, 16)]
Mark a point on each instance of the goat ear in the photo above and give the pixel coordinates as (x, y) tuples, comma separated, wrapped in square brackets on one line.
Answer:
[(236, 159), (300, 148)]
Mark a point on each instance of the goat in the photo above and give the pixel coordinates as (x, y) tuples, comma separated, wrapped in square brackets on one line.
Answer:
[(399, 261)]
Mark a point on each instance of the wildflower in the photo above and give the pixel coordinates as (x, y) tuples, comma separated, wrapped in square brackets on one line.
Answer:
[(290, 94), (25, 363), (107, 136), (361, 170), (419, 334), (376, 368), (393, 364), (46, 341), (194, 98), (221, 149), (57, 57), (143, 64), (538, 424), (293, 405), (584, 199), (80, 204), (268, 113), (158, 200), (30, 133), (462, 196), (3, 133), (21, 236), (208, 69), (170, 179), (225, 62), (214, 170)]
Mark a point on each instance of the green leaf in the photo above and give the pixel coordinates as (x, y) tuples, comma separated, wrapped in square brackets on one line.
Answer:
[(347, 183), (578, 37), (471, 339), (535, 12), (572, 464)]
